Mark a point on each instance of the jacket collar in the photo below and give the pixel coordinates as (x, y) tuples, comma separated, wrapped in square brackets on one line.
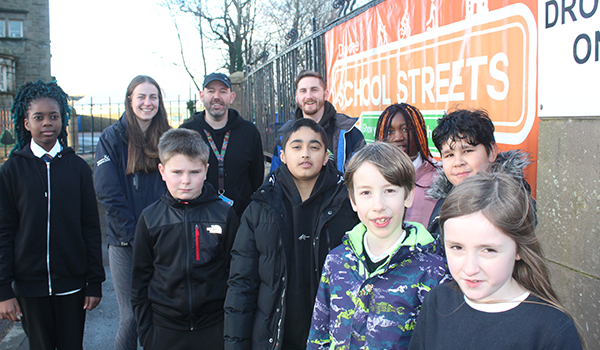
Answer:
[(418, 239), (208, 195), (27, 153)]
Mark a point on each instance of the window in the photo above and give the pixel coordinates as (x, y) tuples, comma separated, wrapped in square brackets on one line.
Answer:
[(15, 29), (3, 78), (2, 31)]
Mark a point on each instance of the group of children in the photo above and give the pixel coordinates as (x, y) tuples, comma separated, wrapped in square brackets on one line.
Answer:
[(318, 260)]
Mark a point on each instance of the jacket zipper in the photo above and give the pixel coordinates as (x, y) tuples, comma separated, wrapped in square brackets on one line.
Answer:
[(197, 243), (48, 232), (189, 269), (277, 341)]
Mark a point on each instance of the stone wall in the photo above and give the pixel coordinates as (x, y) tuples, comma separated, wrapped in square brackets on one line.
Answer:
[(568, 204), (31, 53)]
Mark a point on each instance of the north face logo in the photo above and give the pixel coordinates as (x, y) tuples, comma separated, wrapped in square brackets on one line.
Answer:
[(216, 229)]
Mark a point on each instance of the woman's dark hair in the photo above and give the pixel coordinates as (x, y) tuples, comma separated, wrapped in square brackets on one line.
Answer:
[(29, 92), (143, 147), (414, 122)]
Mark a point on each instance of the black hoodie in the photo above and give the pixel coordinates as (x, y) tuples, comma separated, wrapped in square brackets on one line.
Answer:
[(244, 162), (50, 239)]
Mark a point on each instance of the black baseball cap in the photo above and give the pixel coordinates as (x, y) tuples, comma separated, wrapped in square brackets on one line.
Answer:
[(216, 76)]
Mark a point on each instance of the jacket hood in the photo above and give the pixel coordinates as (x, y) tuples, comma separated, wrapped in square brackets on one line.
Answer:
[(328, 113), (511, 162), (209, 194), (418, 240), (273, 183), (233, 120)]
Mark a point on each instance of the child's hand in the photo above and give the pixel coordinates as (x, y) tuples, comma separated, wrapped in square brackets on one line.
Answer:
[(90, 303), (10, 310)]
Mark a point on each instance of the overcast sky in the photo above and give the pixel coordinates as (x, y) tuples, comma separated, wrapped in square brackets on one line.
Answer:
[(99, 46)]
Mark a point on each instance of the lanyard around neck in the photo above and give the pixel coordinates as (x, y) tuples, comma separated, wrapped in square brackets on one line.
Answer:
[(220, 157)]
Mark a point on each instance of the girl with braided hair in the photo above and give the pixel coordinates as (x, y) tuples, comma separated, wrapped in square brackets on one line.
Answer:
[(403, 126), (51, 267)]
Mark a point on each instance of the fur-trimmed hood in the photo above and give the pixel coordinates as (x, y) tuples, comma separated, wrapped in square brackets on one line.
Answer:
[(511, 162)]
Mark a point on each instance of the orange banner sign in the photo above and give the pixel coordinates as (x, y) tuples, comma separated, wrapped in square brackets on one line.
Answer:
[(439, 57)]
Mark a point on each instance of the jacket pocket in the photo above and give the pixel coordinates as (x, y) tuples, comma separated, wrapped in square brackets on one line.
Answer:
[(206, 238)]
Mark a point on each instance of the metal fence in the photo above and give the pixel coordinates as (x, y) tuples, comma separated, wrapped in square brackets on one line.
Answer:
[(268, 90), (92, 118), (7, 132)]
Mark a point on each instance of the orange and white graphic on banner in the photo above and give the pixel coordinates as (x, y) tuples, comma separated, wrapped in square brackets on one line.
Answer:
[(438, 55)]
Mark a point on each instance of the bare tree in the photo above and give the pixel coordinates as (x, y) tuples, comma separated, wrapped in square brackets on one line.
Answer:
[(231, 22), (295, 19), (185, 66)]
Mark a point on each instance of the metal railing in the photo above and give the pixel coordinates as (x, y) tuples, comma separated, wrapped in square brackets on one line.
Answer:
[(268, 89), (6, 126)]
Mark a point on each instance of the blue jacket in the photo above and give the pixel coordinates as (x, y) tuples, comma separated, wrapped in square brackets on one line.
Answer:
[(345, 138), (356, 309), (123, 196)]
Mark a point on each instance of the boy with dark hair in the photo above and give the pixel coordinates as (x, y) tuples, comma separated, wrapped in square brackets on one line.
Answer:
[(50, 242), (373, 285), (465, 140), (181, 252), (296, 217)]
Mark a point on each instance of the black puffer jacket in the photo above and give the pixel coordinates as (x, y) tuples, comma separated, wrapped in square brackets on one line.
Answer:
[(181, 262), (511, 163), (256, 299)]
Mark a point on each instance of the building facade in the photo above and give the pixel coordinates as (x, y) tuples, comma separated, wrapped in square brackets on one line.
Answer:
[(24, 45)]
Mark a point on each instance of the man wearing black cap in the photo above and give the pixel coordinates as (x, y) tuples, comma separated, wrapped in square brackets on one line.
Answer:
[(236, 164)]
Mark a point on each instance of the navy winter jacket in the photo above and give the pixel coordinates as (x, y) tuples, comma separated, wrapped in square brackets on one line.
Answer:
[(123, 196)]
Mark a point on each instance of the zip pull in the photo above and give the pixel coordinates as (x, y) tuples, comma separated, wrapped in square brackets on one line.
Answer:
[(46, 194), (197, 243)]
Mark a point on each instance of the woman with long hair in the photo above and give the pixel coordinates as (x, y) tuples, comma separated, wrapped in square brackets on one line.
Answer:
[(126, 181)]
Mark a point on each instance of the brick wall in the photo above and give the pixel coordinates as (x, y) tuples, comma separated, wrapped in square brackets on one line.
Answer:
[(26, 58)]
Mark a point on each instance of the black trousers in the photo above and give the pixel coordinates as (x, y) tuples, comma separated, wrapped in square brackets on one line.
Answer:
[(54, 322), (209, 338)]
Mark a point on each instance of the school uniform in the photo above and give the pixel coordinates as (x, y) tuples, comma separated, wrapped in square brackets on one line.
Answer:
[(50, 243)]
